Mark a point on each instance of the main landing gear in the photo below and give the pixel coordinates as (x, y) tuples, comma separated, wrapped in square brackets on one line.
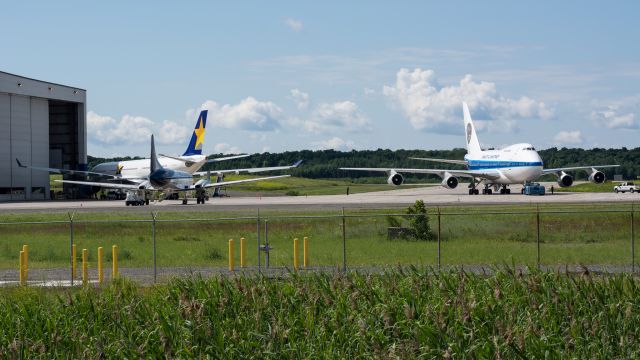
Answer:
[(472, 187), (487, 189)]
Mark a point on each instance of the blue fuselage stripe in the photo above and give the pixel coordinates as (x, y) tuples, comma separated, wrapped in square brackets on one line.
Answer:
[(495, 164)]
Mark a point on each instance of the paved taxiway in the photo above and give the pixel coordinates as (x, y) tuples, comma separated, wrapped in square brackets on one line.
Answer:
[(431, 195)]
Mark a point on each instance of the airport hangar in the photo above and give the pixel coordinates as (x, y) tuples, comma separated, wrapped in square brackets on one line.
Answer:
[(43, 124)]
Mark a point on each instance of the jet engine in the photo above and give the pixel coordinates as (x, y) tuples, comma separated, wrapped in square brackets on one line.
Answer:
[(564, 179), (449, 181), (597, 177), (395, 178)]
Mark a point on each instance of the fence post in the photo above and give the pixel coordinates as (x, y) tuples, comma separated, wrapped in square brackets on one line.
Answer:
[(231, 255), (258, 239), (438, 238), (538, 236), (344, 242), (154, 216), (114, 262), (71, 248), (266, 242), (85, 267), (295, 254), (633, 245), (305, 252)]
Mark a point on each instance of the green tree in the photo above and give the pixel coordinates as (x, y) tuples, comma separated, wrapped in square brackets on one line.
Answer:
[(419, 222)]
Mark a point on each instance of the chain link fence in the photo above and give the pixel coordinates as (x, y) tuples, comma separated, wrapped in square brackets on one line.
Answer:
[(158, 247)]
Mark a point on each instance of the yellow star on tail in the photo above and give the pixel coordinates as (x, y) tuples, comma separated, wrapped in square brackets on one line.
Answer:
[(199, 134)]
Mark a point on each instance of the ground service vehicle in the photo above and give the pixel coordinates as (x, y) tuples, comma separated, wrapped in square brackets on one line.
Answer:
[(533, 189), (626, 186)]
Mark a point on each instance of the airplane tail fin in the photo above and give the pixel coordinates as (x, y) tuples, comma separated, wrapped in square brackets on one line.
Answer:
[(473, 145), (195, 145), (155, 164)]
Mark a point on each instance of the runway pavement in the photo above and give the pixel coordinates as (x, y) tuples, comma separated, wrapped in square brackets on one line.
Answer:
[(431, 195)]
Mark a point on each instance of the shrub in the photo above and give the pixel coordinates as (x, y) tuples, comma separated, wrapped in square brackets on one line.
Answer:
[(419, 222)]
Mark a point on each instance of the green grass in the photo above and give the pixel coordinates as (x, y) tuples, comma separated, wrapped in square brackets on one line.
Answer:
[(406, 314), (470, 235), (607, 187)]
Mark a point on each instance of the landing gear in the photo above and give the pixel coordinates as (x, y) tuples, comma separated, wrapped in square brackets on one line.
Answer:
[(201, 196), (505, 190), (472, 187), (487, 190)]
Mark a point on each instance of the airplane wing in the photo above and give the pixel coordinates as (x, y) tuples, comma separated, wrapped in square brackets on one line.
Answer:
[(448, 161), (210, 160), (233, 182), (66, 171), (137, 187), (489, 174), (104, 185), (228, 158), (250, 170), (558, 170)]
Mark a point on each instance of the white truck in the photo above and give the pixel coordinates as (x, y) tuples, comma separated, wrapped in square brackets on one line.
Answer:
[(626, 186)]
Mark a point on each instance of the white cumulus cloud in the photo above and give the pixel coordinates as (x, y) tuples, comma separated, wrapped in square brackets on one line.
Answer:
[(429, 106), (300, 98), (224, 148), (293, 24), (130, 129), (615, 117), (337, 117), (334, 143), (249, 114), (568, 138)]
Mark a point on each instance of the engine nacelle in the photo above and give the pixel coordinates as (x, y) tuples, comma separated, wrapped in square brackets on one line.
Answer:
[(144, 185), (449, 181), (201, 183), (565, 180), (597, 177), (395, 178)]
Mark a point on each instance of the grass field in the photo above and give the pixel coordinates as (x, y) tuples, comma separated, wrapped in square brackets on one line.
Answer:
[(588, 187), (469, 235), (407, 313)]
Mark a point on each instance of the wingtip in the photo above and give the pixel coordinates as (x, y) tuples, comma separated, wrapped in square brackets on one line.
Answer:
[(297, 163)]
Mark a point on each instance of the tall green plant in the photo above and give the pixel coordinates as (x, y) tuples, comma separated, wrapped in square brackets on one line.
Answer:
[(419, 222)]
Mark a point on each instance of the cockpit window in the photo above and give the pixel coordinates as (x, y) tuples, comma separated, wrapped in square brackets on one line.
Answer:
[(529, 148)]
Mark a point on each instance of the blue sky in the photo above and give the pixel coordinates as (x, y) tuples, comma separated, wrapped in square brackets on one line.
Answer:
[(292, 75)]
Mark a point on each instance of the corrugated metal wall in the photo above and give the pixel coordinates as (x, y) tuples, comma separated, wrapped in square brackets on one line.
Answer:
[(25, 135)]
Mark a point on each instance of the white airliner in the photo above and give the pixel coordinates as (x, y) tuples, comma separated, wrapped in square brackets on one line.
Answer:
[(514, 164), (162, 179), (131, 173)]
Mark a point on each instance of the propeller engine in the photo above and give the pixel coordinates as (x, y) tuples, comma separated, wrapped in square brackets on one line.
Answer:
[(395, 178)]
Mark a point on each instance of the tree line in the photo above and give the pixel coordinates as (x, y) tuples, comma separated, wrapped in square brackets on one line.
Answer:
[(325, 164)]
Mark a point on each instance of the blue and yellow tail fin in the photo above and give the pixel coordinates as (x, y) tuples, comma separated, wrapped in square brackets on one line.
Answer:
[(195, 145)]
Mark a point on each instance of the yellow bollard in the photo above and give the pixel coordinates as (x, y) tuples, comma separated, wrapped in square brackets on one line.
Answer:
[(25, 248), (114, 257), (100, 272), (241, 252), (230, 254), (73, 262), (305, 252), (22, 279), (85, 266), (295, 254)]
